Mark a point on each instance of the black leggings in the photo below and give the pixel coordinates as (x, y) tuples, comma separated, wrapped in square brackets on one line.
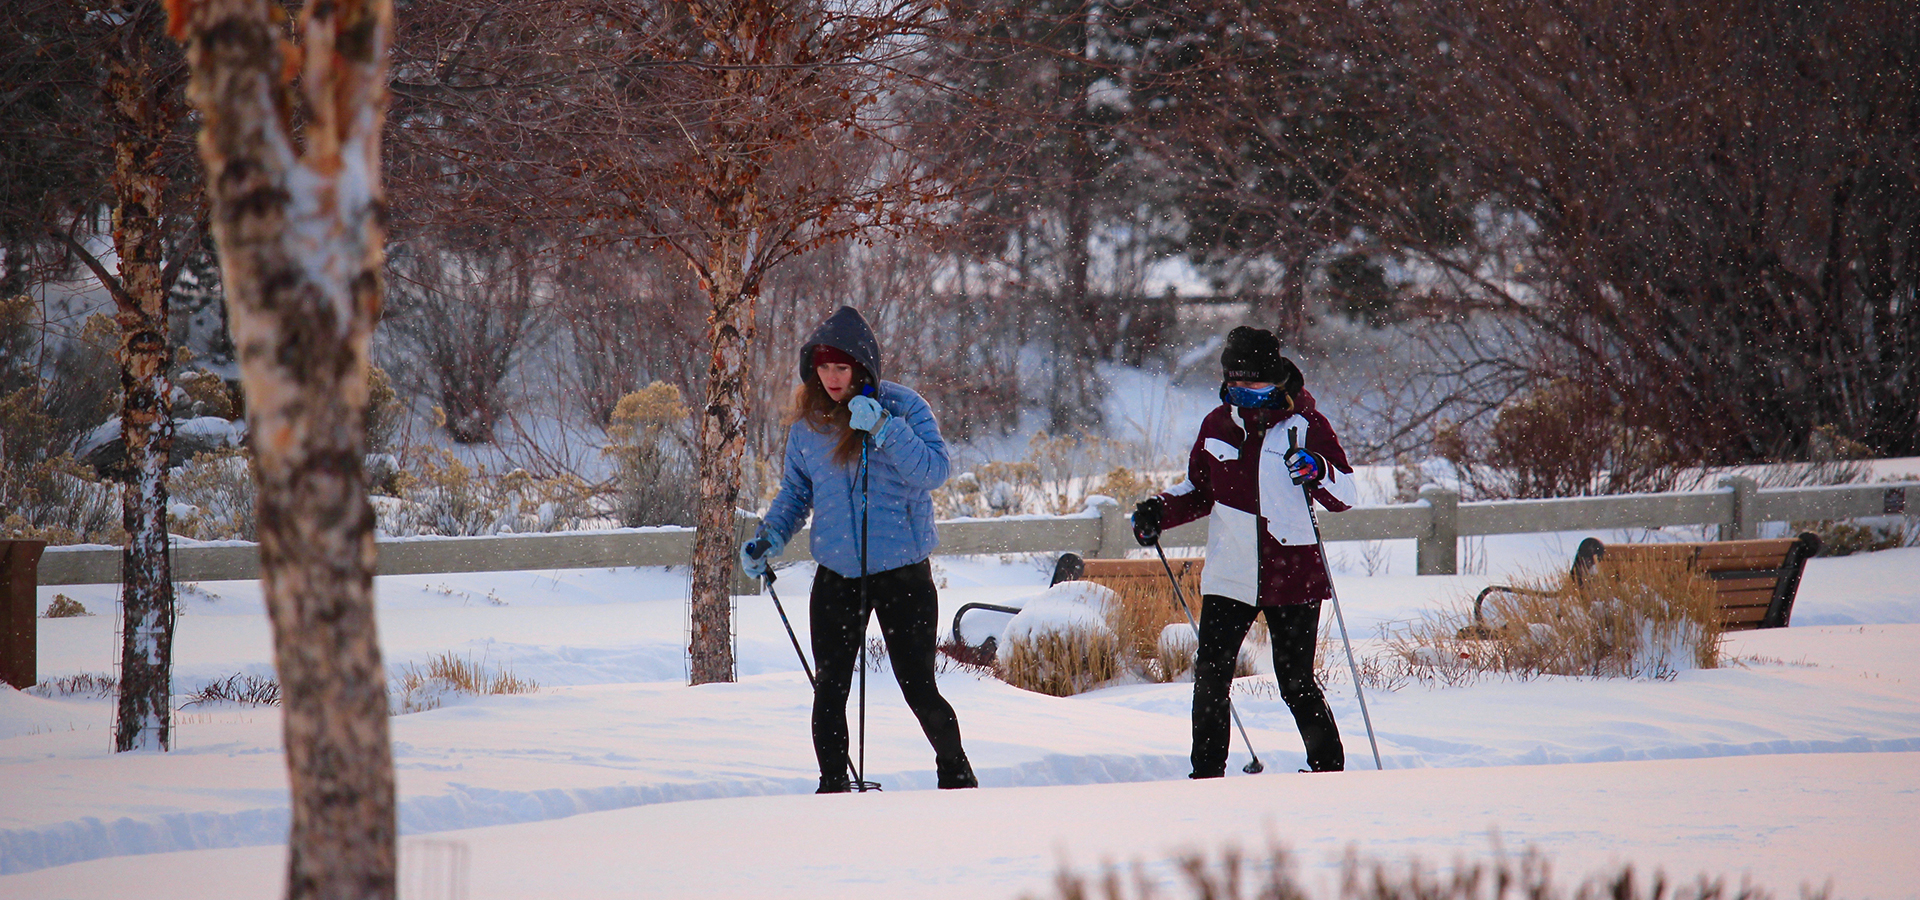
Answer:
[(1223, 624), (907, 605)]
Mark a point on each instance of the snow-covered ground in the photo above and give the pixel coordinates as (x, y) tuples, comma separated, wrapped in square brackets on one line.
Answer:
[(1798, 763)]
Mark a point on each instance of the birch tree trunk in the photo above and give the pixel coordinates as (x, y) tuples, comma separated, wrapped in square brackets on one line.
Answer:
[(300, 219), (730, 275), (723, 441), (144, 717)]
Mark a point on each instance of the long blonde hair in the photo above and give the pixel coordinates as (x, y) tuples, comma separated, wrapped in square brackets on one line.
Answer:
[(811, 404)]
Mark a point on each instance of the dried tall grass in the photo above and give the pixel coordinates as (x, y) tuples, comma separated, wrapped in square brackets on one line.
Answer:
[(1141, 617), (1527, 875), (1061, 662), (1157, 641), (1138, 630), (1625, 619), (238, 688), (416, 689), (85, 684)]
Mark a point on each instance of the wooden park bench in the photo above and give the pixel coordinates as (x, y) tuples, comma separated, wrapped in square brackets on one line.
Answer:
[(1127, 577), (1754, 581)]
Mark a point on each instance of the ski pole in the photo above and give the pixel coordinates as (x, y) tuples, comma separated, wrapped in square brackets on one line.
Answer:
[(1252, 768), (1351, 665), (861, 784), (790, 635), (1293, 443), (800, 653)]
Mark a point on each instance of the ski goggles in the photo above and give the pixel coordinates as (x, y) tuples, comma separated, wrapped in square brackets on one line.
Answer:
[(1268, 397)]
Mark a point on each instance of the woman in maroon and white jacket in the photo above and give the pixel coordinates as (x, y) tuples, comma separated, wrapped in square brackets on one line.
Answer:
[(1257, 459)]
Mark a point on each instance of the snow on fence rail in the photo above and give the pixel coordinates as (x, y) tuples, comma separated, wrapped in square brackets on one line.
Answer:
[(1435, 523)]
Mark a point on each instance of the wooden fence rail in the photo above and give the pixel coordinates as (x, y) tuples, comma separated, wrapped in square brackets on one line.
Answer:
[(1436, 523)]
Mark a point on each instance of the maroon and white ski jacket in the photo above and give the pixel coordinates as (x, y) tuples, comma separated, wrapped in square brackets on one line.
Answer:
[(1262, 548)]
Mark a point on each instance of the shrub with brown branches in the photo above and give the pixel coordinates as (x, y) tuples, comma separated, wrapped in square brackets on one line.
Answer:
[(1624, 619)]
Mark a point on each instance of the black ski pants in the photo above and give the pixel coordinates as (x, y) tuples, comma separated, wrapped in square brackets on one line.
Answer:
[(906, 602), (1223, 625)]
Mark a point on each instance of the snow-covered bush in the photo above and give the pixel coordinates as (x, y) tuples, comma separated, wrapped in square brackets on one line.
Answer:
[(1625, 619), (1061, 642), (1174, 651), (1145, 611), (1056, 478), (44, 494), (57, 501), (212, 497), (1845, 538), (440, 494)]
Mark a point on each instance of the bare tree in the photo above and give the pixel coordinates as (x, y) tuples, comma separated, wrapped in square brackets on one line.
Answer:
[(631, 316), (93, 121), (1039, 148), (1282, 125), (140, 93), (298, 215), (760, 185), (1721, 203), (463, 316)]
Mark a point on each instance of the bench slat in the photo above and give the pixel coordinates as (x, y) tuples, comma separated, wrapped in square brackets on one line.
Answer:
[(1705, 562), (1103, 569), (1776, 548), (1738, 563), (1651, 552), (1742, 619), (1761, 597)]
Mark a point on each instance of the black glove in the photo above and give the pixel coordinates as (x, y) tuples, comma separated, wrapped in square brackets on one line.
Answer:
[(1147, 515)]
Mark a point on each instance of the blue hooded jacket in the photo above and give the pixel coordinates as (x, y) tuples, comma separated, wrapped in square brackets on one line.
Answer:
[(902, 472)]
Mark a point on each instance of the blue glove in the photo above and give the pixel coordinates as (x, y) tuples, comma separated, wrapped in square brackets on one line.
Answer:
[(868, 416), (1305, 467), (755, 553)]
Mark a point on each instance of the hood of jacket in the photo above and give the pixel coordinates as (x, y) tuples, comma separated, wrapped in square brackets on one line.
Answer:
[(847, 331)]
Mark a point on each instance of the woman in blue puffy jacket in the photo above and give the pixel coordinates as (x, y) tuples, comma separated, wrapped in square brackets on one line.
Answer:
[(875, 521)]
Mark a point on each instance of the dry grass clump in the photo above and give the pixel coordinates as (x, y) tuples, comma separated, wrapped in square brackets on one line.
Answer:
[(1062, 662), (418, 689), (1143, 617), (1157, 641), (1061, 643), (1528, 876), (65, 607), (1625, 619), (245, 690), (1082, 635), (85, 684)]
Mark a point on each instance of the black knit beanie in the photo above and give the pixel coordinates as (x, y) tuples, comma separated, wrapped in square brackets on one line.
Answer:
[(1253, 354)]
